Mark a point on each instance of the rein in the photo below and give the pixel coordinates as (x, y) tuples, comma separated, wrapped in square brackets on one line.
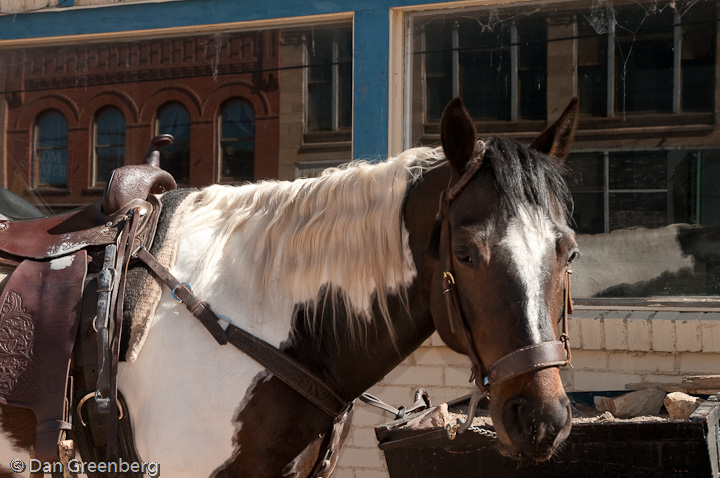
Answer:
[(555, 353)]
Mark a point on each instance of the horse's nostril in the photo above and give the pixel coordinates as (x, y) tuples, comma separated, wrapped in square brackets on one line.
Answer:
[(536, 424)]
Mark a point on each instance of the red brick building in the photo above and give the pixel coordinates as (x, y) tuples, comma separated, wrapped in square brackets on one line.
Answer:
[(77, 111)]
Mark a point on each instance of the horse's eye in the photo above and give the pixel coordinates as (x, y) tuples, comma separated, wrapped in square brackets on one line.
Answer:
[(463, 256), (573, 255)]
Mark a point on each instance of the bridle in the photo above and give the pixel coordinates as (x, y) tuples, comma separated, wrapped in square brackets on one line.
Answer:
[(555, 353)]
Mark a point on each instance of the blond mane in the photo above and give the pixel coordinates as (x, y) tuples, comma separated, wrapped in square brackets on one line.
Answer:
[(339, 236)]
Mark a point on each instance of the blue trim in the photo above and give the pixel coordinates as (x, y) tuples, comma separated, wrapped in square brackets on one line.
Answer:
[(371, 84), (66, 3), (147, 16)]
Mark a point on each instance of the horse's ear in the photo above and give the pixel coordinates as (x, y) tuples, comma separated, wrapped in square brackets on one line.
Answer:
[(558, 138), (457, 134)]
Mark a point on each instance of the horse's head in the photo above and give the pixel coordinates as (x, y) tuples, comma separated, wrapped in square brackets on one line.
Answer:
[(499, 285)]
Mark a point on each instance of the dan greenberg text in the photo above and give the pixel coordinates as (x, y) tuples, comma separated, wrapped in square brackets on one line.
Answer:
[(151, 469)]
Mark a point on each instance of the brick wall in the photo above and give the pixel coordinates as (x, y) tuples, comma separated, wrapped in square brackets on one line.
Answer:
[(611, 349)]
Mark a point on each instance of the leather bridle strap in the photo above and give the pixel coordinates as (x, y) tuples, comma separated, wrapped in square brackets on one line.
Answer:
[(284, 367)]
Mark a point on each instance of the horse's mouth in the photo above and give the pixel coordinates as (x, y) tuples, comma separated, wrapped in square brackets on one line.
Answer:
[(528, 455)]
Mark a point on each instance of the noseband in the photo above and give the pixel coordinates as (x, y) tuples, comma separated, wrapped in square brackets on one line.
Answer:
[(526, 359)]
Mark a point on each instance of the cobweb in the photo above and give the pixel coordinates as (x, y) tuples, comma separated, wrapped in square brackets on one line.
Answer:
[(602, 19)]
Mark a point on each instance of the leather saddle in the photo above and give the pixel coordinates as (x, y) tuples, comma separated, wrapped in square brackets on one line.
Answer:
[(64, 268)]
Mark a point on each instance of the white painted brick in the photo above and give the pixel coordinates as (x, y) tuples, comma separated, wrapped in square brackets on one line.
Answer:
[(440, 395), (567, 376), (364, 437), (574, 332), (440, 356), (457, 376), (602, 381), (342, 472), (710, 328), (663, 334), (361, 457), (591, 332), (641, 362), (669, 378), (436, 340), (590, 359), (688, 335), (615, 327), (412, 375), (395, 395), (639, 334), (691, 363), (367, 416), (371, 474)]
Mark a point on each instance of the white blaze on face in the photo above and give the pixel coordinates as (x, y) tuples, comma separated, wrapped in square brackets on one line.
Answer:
[(529, 240)]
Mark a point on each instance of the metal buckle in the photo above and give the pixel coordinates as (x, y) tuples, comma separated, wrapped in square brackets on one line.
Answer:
[(172, 292)]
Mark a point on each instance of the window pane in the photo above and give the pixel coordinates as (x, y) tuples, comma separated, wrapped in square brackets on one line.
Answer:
[(698, 57), (644, 60), (51, 150), (329, 78), (109, 144), (175, 158), (629, 210), (638, 170), (532, 61), (237, 142), (592, 68), (438, 67)]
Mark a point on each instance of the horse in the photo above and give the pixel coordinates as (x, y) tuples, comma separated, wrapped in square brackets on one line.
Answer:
[(348, 273)]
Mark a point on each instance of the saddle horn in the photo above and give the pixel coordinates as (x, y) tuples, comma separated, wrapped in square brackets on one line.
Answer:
[(152, 157)]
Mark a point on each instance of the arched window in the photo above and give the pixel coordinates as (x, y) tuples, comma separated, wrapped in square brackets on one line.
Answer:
[(237, 141), (109, 144), (51, 150), (174, 119)]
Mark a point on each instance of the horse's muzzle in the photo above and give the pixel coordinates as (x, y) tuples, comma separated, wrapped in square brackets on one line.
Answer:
[(535, 429)]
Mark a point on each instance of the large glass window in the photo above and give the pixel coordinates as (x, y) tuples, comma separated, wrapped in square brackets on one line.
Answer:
[(174, 119), (109, 144), (51, 150), (495, 60), (647, 153), (251, 102), (329, 79), (237, 141), (647, 57)]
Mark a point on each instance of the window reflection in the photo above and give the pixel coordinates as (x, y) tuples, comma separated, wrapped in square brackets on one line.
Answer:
[(109, 143), (237, 141), (51, 150), (174, 119), (646, 158), (329, 83)]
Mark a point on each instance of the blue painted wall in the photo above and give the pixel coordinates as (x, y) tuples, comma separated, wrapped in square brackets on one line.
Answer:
[(370, 116)]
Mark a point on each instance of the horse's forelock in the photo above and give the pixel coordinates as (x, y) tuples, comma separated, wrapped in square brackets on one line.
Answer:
[(526, 178), (341, 232)]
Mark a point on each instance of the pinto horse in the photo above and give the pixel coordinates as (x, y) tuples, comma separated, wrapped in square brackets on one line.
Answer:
[(348, 273)]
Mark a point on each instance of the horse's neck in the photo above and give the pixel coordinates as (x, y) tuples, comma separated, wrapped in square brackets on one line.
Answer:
[(357, 365), (353, 362)]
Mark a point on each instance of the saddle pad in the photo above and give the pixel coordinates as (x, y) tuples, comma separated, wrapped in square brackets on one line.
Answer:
[(142, 290)]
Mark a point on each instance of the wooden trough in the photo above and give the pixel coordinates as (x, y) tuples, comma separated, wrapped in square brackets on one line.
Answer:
[(634, 448)]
